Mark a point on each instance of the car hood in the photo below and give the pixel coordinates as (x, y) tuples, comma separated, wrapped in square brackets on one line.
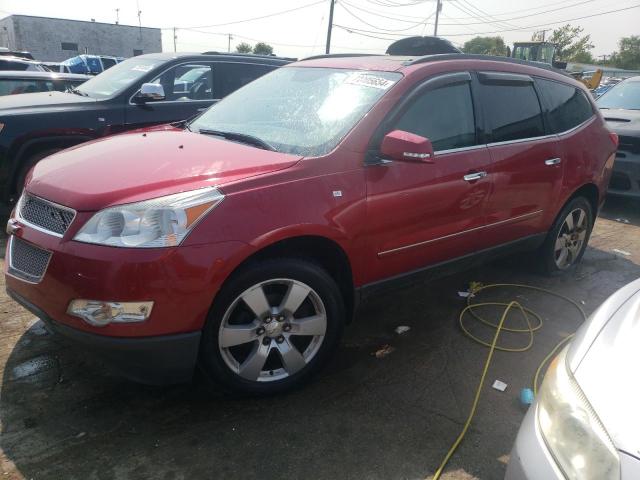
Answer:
[(146, 164), (35, 101), (604, 359), (622, 122)]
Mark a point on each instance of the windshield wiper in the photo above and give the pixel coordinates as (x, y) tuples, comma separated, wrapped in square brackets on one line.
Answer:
[(239, 137), (78, 92)]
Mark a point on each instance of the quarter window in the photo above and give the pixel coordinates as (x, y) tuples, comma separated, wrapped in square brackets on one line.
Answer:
[(568, 106), (512, 111), (444, 116)]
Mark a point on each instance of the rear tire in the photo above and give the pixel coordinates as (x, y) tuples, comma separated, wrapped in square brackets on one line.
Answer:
[(567, 240), (273, 325)]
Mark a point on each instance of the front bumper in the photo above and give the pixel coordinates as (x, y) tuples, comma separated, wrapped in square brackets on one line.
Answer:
[(625, 179), (160, 360), (530, 459)]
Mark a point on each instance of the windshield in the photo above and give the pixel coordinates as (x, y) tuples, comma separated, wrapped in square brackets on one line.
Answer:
[(625, 95), (118, 77), (303, 111)]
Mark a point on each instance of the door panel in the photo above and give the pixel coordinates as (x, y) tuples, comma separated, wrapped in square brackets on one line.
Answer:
[(526, 177), (419, 213), (525, 162)]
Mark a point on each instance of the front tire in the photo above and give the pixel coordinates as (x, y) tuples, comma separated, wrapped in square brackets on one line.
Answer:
[(567, 240), (272, 326)]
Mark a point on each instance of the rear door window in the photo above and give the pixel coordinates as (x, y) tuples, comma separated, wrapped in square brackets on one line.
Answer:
[(16, 86), (511, 107), (567, 106), (231, 76), (443, 115)]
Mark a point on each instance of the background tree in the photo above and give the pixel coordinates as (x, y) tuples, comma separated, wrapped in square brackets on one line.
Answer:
[(244, 47), (262, 48), (629, 55), (485, 46), (571, 45)]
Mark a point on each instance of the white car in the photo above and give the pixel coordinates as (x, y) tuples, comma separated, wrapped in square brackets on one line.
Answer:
[(585, 421)]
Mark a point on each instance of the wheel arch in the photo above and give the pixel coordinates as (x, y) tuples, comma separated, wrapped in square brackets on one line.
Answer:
[(35, 145), (591, 193), (322, 250)]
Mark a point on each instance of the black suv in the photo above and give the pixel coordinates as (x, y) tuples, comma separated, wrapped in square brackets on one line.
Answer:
[(144, 90)]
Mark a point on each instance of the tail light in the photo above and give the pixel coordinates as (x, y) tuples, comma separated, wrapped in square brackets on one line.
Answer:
[(614, 138)]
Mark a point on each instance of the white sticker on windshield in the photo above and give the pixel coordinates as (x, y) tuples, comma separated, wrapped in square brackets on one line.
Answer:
[(369, 80), (142, 68)]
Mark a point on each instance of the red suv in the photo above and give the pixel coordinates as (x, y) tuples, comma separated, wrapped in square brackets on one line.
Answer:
[(245, 240)]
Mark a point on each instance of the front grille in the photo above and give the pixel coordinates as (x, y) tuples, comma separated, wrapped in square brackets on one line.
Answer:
[(619, 181), (46, 215), (26, 261)]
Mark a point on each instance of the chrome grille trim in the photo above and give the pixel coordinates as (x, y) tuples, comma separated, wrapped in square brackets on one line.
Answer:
[(43, 215), (26, 261)]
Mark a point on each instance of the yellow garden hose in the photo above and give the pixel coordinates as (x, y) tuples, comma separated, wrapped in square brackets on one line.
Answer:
[(475, 289)]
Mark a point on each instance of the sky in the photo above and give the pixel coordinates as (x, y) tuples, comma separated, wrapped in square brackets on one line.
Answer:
[(366, 26)]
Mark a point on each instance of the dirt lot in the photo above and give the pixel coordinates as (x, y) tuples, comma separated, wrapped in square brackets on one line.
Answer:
[(65, 416)]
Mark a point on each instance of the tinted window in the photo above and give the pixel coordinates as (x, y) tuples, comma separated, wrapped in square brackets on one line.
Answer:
[(13, 87), (512, 110), (108, 62), (568, 106), (444, 116), (232, 76)]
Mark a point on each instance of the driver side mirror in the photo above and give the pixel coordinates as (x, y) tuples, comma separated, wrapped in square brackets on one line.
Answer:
[(150, 91), (406, 147)]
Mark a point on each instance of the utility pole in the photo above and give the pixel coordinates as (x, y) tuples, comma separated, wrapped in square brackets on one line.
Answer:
[(438, 8), (139, 19), (175, 38), (604, 58), (117, 16), (328, 47), (229, 43)]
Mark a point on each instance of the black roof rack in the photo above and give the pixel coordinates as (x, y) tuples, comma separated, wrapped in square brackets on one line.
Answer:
[(340, 55), (250, 55), (491, 58)]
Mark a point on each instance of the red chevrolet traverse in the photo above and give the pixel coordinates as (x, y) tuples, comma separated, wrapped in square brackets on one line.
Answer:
[(245, 240)]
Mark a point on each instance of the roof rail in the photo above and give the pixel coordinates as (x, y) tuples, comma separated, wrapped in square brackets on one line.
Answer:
[(492, 58), (340, 55), (251, 55)]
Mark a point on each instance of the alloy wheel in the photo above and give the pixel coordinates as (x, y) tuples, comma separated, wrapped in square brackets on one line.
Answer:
[(272, 330), (571, 238)]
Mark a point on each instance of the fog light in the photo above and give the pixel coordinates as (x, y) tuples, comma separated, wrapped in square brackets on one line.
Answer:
[(98, 313)]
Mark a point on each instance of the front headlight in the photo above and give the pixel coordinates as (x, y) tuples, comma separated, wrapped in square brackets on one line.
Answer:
[(159, 222), (571, 429)]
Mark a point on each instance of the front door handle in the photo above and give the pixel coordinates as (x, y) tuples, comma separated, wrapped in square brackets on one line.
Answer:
[(553, 161), (471, 177)]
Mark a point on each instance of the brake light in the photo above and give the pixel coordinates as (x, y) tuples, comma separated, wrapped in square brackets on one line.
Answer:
[(614, 138)]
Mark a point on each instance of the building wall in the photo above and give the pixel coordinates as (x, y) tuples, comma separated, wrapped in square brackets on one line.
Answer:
[(43, 37)]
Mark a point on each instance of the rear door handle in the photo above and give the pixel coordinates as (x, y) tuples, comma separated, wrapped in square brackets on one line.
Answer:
[(470, 177), (553, 161)]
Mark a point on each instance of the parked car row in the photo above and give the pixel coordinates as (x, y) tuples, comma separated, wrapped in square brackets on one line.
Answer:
[(243, 239)]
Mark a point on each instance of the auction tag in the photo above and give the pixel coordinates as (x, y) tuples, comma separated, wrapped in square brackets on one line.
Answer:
[(142, 68), (369, 80)]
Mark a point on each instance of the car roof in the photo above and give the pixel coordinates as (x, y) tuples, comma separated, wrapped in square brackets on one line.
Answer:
[(43, 75), (7, 58), (237, 57), (394, 63)]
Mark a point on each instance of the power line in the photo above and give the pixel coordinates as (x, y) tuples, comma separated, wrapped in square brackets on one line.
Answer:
[(528, 27), (343, 5), (282, 12), (372, 12), (521, 10)]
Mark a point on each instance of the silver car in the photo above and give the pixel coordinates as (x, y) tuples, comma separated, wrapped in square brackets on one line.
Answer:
[(585, 421)]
